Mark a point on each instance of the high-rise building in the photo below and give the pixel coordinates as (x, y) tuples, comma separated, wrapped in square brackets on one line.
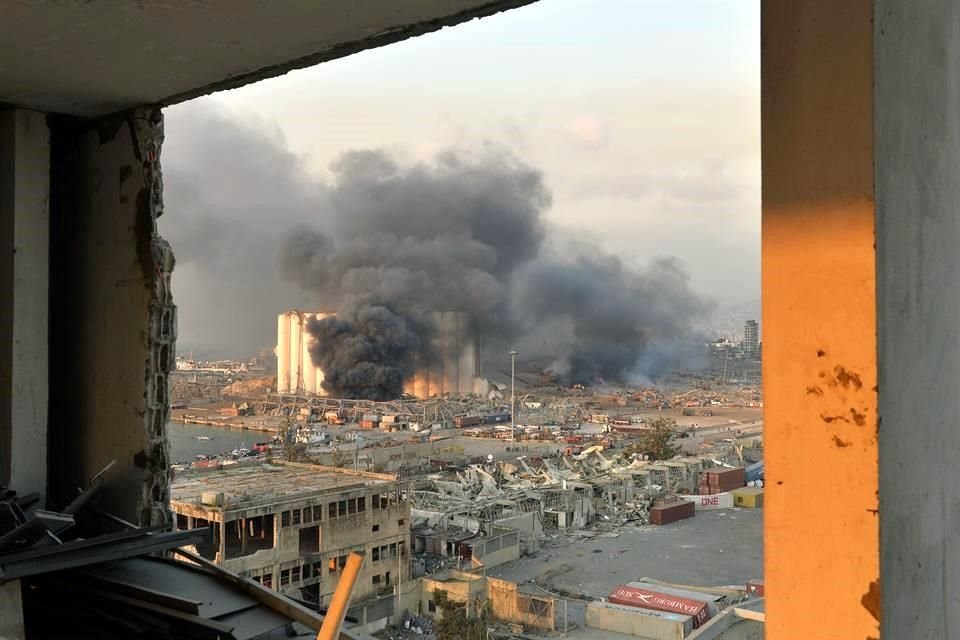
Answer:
[(751, 339)]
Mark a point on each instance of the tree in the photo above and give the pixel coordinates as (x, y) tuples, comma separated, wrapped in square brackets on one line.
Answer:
[(657, 442), (454, 623)]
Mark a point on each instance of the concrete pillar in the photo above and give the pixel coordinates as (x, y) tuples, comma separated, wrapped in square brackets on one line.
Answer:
[(11, 611), (112, 319), (221, 528), (917, 129), (243, 536), (24, 298), (821, 546)]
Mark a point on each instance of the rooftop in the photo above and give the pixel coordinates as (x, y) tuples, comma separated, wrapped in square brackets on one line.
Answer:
[(251, 485)]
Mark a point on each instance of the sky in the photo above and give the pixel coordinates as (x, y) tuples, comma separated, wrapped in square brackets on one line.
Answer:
[(644, 118)]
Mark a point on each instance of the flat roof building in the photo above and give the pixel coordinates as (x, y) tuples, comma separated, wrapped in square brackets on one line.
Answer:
[(291, 526)]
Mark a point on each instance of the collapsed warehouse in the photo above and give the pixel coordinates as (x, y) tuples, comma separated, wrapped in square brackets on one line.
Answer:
[(456, 514)]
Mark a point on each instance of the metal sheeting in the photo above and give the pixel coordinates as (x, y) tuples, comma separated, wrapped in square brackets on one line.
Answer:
[(178, 578), (95, 550)]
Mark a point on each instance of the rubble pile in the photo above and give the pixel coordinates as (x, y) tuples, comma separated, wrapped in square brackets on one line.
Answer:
[(253, 386)]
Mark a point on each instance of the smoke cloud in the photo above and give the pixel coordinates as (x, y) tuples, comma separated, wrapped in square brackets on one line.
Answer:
[(615, 323), (232, 193), (387, 241), (466, 232), (366, 353)]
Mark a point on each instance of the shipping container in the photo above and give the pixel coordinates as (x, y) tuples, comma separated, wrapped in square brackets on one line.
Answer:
[(659, 601), (721, 480), (719, 472), (467, 421), (714, 602), (637, 622), (710, 501), (496, 418), (368, 424), (665, 514), (388, 419), (750, 497), (755, 587)]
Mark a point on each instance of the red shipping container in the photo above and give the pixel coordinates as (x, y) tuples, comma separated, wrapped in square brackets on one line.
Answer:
[(648, 599), (725, 474), (665, 514), (368, 424), (755, 587), (721, 480)]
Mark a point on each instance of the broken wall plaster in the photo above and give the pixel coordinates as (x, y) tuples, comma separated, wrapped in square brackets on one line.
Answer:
[(113, 321)]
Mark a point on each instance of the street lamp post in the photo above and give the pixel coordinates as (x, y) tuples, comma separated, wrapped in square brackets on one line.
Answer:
[(513, 405)]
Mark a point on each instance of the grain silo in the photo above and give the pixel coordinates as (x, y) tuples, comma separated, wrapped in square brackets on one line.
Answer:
[(283, 352), (452, 362), (296, 372)]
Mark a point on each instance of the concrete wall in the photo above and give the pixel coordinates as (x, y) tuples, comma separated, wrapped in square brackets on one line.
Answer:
[(384, 459), (633, 621), (24, 298), (500, 547), (112, 320), (460, 587), (729, 626), (819, 312), (917, 125), (11, 610), (509, 605)]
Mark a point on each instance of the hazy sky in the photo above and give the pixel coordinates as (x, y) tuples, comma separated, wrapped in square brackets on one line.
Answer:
[(643, 116)]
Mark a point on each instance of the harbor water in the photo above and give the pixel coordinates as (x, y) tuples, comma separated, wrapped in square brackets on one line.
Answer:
[(187, 441)]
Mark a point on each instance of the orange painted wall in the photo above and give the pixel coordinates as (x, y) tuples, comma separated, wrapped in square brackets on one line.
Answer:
[(819, 320)]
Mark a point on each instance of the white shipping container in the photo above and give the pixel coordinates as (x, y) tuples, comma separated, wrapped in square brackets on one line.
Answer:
[(707, 503), (634, 621)]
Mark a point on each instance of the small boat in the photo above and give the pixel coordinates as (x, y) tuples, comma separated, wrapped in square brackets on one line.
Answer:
[(203, 437)]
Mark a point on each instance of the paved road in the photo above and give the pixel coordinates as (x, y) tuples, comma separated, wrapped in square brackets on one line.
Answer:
[(713, 548)]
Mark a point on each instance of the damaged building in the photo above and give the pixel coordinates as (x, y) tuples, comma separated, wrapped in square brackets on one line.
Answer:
[(290, 526), (486, 515)]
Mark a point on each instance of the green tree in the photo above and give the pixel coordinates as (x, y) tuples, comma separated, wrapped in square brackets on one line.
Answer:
[(658, 441), (454, 623)]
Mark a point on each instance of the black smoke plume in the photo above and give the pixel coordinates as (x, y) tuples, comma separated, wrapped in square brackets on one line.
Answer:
[(387, 241), (610, 322), (466, 233), (366, 353)]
